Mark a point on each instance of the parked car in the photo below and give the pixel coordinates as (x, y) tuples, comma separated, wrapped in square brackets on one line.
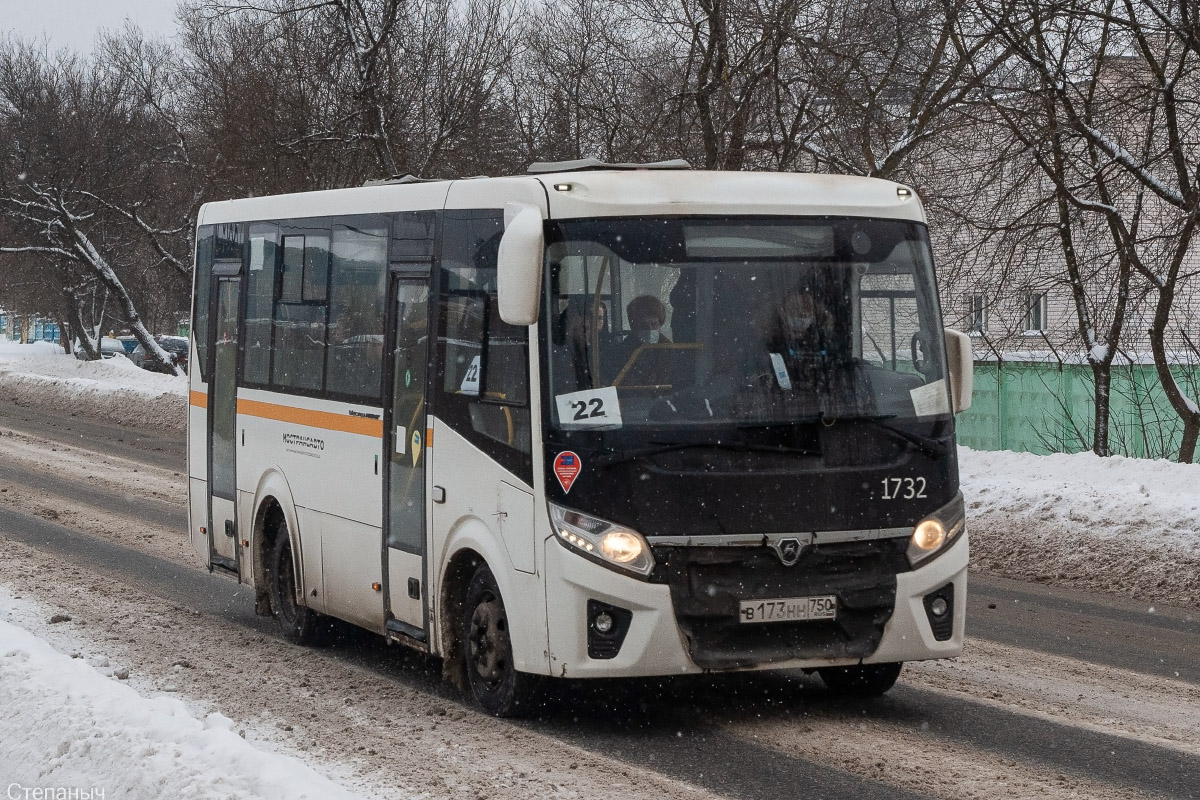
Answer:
[(109, 348), (176, 347)]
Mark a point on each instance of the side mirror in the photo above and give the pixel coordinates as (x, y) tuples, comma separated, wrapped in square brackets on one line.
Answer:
[(961, 363), (519, 264)]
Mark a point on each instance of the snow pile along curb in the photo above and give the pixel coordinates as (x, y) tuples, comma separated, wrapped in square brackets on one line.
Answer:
[(1117, 525), (82, 730), (114, 390)]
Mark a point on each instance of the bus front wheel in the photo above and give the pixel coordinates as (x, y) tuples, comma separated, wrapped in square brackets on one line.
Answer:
[(863, 680), (494, 681), (297, 623)]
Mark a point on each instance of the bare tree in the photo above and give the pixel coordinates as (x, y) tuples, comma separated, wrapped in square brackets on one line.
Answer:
[(77, 183), (363, 88), (1117, 77)]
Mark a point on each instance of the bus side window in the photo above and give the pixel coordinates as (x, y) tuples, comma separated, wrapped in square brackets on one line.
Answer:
[(484, 361), (260, 295), (357, 308), (300, 319), (204, 260)]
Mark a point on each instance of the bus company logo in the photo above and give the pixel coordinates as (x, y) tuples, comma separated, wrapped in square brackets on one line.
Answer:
[(305, 442), (788, 550), (566, 469)]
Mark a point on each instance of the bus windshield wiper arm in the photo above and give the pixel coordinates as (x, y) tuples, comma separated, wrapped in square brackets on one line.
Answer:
[(925, 444)]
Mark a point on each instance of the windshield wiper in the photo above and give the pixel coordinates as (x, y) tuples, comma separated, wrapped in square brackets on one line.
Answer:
[(926, 444), (621, 456)]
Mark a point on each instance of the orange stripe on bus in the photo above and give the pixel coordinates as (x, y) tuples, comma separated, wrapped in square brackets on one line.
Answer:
[(198, 399), (428, 437), (313, 419)]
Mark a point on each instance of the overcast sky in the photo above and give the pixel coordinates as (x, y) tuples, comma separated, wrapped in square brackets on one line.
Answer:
[(73, 23)]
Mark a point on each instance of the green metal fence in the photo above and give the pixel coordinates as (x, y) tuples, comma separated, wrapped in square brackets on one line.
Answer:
[(1043, 408)]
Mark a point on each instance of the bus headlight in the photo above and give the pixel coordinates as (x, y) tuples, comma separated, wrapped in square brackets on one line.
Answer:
[(610, 544), (936, 532)]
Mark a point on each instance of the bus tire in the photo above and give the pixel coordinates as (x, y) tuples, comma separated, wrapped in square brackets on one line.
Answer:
[(297, 623), (861, 680), (487, 651)]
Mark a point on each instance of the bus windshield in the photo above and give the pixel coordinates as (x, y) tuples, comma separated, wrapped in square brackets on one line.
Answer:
[(702, 326)]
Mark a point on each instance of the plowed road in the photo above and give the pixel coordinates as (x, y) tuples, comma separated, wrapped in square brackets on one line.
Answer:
[(1060, 694)]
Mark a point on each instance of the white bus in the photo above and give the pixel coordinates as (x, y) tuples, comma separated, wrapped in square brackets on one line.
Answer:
[(588, 422)]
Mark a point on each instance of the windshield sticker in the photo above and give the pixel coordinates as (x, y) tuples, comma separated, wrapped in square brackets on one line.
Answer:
[(930, 399), (566, 469), (781, 373), (593, 408), (401, 439), (470, 381), (416, 446)]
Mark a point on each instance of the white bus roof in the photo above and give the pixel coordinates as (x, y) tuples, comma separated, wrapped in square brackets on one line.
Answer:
[(600, 193)]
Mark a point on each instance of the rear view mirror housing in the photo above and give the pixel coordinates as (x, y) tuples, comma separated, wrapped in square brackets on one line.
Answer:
[(519, 264), (961, 363)]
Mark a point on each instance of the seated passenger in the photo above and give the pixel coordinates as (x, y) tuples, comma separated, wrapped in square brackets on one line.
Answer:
[(584, 332), (647, 315)]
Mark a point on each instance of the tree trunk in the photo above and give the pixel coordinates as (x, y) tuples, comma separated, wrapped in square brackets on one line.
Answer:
[(90, 257), (1184, 406), (88, 343), (1102, 380)]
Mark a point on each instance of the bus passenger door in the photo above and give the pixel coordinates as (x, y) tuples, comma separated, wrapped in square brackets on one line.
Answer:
[(404, 438), (222, 424)]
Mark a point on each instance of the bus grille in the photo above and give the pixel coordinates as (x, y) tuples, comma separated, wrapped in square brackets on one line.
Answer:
[(708, 584)]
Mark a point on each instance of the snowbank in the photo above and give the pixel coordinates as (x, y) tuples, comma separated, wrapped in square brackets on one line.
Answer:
[(80, 730), (1119, 525), (40, 375)]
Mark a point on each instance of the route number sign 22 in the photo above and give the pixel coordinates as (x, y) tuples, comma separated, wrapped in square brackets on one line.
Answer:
[(592, 408)]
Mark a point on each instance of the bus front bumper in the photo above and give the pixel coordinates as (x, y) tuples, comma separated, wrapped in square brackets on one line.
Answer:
[(651, 641)]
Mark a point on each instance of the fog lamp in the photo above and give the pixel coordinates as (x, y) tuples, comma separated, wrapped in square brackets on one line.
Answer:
[(939, 607), (603, 622)]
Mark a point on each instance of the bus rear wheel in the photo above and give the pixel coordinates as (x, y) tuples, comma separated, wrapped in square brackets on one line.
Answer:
[(297, 623), (494, 681), (861, 680)]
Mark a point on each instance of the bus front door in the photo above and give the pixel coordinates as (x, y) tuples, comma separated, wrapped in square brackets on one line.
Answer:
[(222, 425), (405, 440)]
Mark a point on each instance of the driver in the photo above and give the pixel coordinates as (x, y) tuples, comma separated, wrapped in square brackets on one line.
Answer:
[(799, 333)]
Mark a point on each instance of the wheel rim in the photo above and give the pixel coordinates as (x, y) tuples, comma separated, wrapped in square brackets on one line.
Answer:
[(488, 640)]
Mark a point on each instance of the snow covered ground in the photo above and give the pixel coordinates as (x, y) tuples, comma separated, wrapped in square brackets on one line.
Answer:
[(83, 731), (1118, 525)]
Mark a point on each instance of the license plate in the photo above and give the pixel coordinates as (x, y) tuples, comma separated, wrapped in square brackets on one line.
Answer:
[(789, 609)]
